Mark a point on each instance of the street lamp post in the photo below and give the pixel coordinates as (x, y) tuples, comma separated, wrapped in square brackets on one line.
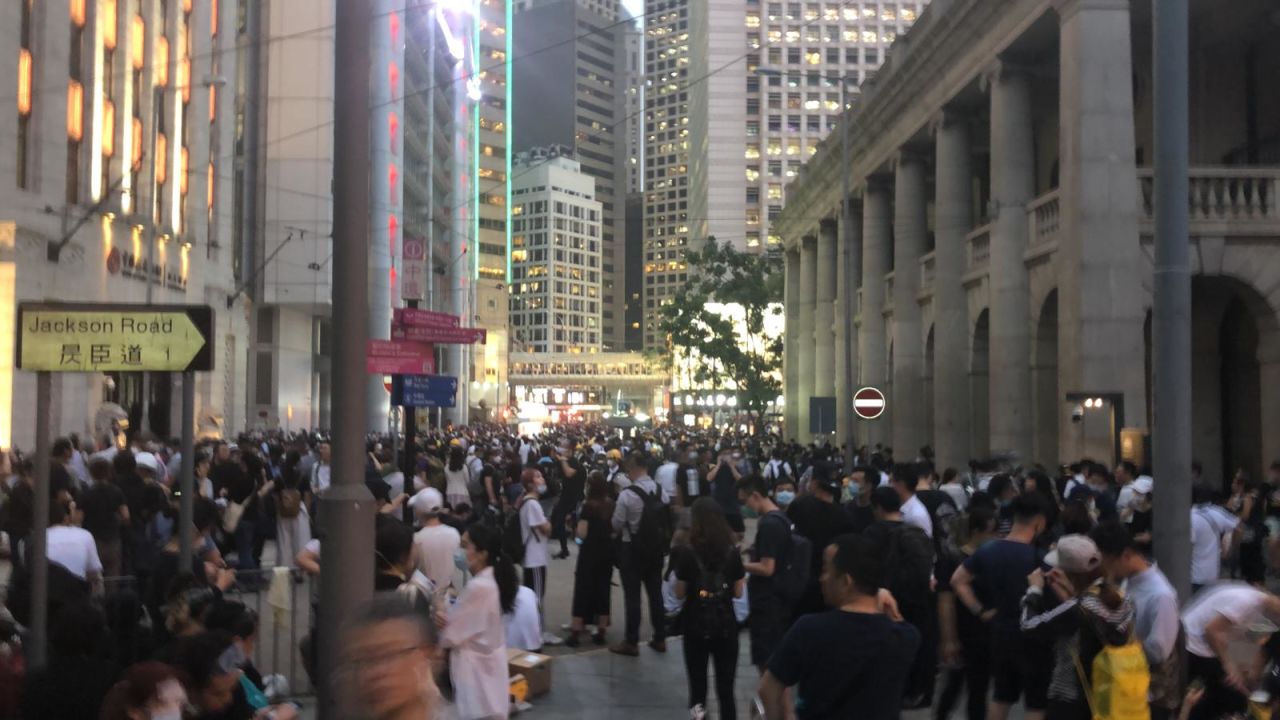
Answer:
[(846, 230)]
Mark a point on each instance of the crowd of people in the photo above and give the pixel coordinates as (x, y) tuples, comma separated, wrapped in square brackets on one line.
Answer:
[(864, 588)]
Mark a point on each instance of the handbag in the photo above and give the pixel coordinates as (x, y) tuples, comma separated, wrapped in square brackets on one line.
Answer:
[(231, 516)]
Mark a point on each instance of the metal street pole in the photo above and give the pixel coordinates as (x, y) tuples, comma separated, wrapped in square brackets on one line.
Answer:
[(186, 476), (851, 278), (37, 653), (346, 528), (1171, 312), (157, 106)]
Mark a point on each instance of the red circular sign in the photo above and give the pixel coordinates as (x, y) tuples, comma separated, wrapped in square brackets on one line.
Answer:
[(869, 403)]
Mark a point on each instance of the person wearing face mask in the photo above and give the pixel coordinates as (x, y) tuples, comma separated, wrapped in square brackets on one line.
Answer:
[(999, 570), (858, 512), (614, 474), (535, 528)]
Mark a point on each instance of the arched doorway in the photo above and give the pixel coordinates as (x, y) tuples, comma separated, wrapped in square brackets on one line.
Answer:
[(1047, 397), (927, 382), (1235, 354), (979, 372)]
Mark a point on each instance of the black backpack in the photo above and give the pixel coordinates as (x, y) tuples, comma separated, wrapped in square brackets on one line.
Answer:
[(908, 562), (651, 540), (792, 570), (513, 536), (708, 608)]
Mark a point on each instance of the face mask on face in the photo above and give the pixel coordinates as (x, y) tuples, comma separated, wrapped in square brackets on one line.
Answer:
[(173, 714), (460, 559), (542, 489), (785, 497)]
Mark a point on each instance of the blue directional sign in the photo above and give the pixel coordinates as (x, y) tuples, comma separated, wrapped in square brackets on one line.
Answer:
[(424, 391)]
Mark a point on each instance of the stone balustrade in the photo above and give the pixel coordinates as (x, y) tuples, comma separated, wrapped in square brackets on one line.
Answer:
[(1239, 195), (978, 243), (1042, 220)]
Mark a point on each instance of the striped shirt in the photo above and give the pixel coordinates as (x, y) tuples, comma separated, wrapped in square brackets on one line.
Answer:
[(1078, 627)]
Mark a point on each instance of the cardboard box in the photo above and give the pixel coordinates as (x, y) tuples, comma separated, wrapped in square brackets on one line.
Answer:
[(535, 668)]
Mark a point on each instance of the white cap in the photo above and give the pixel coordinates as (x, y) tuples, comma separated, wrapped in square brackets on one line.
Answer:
[(148, 461), (1143, 484), (427, 502)]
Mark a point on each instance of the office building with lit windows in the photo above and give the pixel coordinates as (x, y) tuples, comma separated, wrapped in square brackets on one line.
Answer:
[(739, 95), (116, 186), (556, 254), (570, 90)]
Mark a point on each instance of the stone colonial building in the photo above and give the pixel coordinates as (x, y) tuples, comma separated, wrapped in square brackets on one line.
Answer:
[(995, 276)]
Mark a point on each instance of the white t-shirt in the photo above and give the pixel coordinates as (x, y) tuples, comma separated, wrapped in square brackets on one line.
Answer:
[(957, 494), (1240, 603), (535, 544), (321, 475), (915, 513), (1207, 528), (665, 476), (523, 624), (435, 546), (73, 548)]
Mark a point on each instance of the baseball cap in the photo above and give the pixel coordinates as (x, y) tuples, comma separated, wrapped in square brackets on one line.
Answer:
[(1143, 485), (427, 502), (148, 461), (1074, 553), (830, 484)]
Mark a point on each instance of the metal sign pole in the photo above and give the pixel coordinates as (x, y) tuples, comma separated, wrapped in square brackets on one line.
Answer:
[(37, 652), (186, 477)]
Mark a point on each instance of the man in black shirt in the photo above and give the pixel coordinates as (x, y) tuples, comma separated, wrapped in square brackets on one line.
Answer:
[(105, 512), (770, 614), (858, 513), (849, 662), (818, 518)]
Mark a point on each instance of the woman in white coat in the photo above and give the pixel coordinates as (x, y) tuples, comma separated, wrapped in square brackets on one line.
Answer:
[(473, 630)]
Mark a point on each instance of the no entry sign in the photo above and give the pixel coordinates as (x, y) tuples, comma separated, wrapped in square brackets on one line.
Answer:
[(868, 403)]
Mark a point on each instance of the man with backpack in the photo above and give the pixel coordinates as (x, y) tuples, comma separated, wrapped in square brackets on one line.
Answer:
[(908, 555), (642, 521), (771, 568)]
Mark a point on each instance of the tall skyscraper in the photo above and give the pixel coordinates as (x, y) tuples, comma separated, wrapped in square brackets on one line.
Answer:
[(555, 256), (568, 91), (739, 95)]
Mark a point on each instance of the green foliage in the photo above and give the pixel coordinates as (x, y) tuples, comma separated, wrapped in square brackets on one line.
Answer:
[(720, 354)]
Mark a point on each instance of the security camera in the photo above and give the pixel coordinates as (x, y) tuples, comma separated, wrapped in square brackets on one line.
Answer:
[(1077, 413)]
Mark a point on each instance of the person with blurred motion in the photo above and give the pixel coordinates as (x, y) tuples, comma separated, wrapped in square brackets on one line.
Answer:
[(473, 631), (387, 663), (965, 645), (594, 572), (1216, 619), (851, 661), (770, 612), (709, 577), (148, 691)]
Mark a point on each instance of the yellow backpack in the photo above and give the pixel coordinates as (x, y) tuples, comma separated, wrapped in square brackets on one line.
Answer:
[(1117, 687)]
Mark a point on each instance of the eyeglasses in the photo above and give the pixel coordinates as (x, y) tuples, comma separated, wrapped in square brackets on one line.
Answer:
[(369, 661)]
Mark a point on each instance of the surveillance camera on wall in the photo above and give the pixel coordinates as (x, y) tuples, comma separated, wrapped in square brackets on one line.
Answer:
[(1077, 413)]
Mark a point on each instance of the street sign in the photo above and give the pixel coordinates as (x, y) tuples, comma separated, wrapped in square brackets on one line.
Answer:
[(85, 337), (424, 391), (868, 403), (439, 335), (413, 258), (393, 357), (822, 415), (413, 317)]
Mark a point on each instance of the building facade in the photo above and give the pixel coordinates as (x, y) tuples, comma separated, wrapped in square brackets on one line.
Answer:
[(998, 257), (570, 91), (739, 96), (117, 187), (556, 283)]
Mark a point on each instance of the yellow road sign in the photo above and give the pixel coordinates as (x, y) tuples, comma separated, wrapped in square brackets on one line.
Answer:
[(65, 337)]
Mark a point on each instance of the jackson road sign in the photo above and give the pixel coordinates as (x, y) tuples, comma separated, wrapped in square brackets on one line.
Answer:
[(868, 403), (66, 337)]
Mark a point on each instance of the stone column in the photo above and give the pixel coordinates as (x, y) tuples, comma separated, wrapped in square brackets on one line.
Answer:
[(953, 218), (1101, 314), (808, 298), (791, 344), (1012, 187), (824, 376), (849, 256), (910, 237), (873, 358)]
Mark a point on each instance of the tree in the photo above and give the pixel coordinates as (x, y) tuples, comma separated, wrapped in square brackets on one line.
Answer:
[(728, 346)]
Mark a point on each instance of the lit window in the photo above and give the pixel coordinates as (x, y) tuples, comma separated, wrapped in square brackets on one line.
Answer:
[(775, 191), (75, 110), (183, 159), (77, 13), (108, 128), (753, 20), (24, 82), (813, 58), (907, 14), (162, 153), (753, 151), (138, 42), (107, 21), (162, 61)]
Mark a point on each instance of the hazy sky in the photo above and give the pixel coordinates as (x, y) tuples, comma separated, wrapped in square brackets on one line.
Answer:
[(635, 7)]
